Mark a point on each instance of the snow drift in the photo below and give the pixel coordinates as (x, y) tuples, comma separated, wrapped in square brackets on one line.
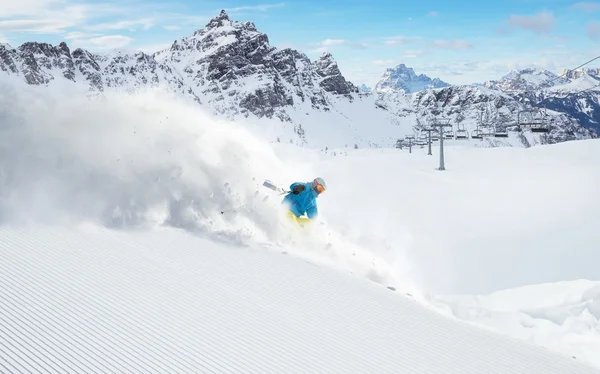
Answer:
[(562, 316)]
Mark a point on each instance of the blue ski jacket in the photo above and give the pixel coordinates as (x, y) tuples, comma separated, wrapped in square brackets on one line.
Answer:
[(302, 199)]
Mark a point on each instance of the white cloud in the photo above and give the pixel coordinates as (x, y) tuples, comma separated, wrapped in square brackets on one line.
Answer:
[(393, 40), (326, 44), (186, 19), (48, 16), (260, 7), (330, 42), (80, 35), (145, 23), (593, 30), (540, 23), (110, 41), (358, 45), (14, 8), (433, 14), (3, 39), (413, 53), (382, 62), (172, 28), (452, 44), (586, 6), (36, 26), (319, 50)]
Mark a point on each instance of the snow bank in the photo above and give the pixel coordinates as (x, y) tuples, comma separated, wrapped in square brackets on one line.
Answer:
[(562, 316)]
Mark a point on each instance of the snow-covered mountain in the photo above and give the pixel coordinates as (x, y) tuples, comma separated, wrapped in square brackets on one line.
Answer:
[(472, 110), (404, 79), (574, 92), (526, 80), (582, 72), (230, 69)]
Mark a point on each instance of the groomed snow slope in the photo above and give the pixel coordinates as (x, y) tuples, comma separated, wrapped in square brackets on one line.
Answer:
[(164, 301)]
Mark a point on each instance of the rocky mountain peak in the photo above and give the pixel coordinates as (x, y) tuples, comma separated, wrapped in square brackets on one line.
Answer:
[(402, 69), (581, 73), (332, 79), (219, 21), (404, 79)]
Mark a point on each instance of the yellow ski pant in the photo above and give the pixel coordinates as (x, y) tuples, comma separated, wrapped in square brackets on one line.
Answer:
[(301, 221)]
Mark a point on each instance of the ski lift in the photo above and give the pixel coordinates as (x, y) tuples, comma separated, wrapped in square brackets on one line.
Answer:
[(461, 133), (476, 134), (421, 140), (500, 133), (532, 119), (487, 131), (448, 134)]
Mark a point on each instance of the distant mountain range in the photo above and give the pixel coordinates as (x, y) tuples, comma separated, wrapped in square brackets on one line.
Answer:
[(574, 92), (230, 69)]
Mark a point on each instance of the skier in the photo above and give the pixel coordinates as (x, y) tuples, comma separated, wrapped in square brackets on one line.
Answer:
[(303, 199)]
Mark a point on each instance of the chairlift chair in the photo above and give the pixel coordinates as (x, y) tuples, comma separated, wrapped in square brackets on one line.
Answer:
[(533, 120), (500, 132), (476, 134), (486, 132), (461, 133), (542, 128)]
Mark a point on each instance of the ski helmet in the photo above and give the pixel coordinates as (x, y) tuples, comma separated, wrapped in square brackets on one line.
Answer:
[(319, 185)]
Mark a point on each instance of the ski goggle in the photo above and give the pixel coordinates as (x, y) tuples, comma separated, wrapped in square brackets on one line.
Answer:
[(318, 188)]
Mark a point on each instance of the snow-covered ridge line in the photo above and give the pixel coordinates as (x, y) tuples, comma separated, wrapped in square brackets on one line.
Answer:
[(90, 299)]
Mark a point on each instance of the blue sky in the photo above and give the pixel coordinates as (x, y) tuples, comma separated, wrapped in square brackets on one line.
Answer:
[(460, 42)]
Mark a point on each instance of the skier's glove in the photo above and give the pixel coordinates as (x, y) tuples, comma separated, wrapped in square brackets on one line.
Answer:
[(299, 188)]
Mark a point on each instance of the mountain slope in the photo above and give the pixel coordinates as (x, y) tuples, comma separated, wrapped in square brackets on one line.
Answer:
[(165, 301)]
